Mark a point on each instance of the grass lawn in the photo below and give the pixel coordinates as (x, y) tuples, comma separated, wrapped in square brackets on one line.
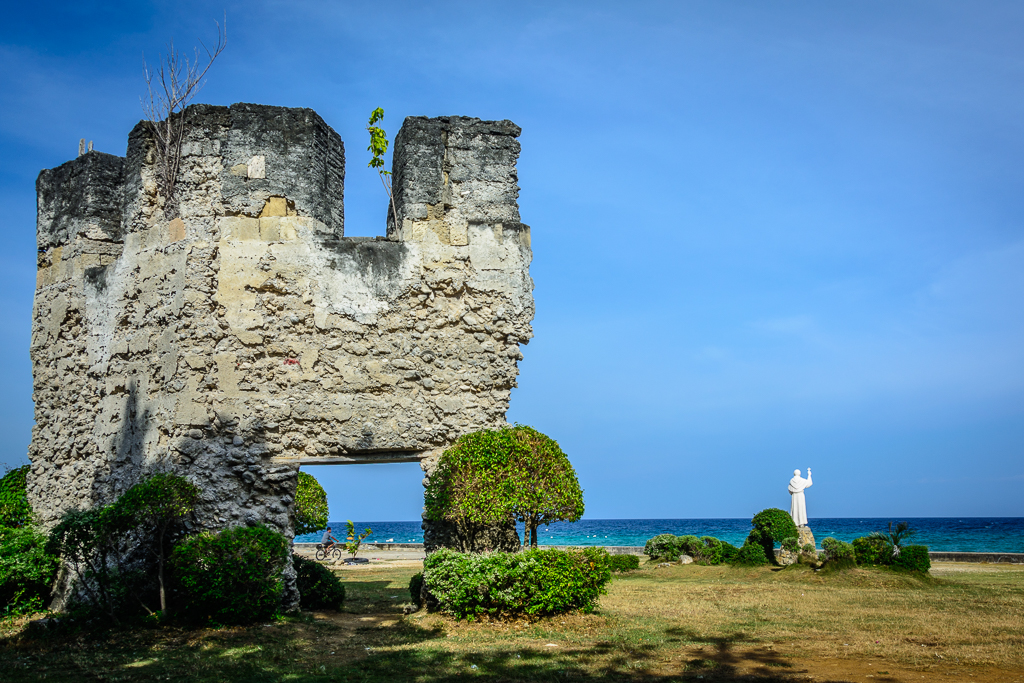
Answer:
[(655, 624)]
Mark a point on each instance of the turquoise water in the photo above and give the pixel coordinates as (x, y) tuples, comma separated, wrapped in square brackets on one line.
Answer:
[(963, 534)]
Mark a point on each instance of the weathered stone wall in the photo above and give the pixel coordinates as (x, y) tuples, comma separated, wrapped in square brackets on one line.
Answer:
[(247, 335)]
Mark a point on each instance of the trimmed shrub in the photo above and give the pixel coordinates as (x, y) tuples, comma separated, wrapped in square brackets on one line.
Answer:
[(771, 526), (663, 547), (792, 544), (416, 588), (232, 577), (750, 555), (26, 570), (496, 475), (535, 582), (318, 587), (729, 552), (14, 508), (310, 505), (837, 554), (913, 558), (623, 563), (711, 553), (871, 551)]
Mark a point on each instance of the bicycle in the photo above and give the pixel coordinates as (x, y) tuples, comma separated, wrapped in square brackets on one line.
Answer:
[(322, 554)]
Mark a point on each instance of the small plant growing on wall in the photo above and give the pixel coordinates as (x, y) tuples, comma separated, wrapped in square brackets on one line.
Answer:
[(353, 540), (170, 87), (378, 147)]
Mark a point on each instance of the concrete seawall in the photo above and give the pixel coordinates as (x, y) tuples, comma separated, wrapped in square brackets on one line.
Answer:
[(938, 556)]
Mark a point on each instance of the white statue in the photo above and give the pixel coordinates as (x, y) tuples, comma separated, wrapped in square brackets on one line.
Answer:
[(797, 505)]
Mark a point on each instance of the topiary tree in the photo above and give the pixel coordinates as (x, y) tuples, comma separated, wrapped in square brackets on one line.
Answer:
[(771, 526), (511, 473), (14, 508), (310, 505), (155, 507)]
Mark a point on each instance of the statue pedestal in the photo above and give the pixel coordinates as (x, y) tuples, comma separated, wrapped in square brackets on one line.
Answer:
[(805, 536)]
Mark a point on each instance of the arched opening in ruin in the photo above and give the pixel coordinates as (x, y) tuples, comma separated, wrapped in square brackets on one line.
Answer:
[(386, 497)]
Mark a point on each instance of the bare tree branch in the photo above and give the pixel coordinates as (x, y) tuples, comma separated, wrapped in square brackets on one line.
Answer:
[(170, 88)]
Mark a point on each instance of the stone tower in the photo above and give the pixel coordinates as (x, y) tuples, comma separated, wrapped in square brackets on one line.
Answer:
[(237, 334)]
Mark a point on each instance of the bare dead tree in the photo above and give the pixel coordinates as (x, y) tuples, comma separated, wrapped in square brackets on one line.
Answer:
[(170, 87)]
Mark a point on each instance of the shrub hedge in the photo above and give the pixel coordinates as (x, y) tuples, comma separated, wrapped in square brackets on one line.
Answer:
[(623, 563), (535, 582), (318, 587), (231, 577)]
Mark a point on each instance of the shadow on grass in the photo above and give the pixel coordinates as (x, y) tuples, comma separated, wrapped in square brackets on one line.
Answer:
[(309, 649), (365, 597)]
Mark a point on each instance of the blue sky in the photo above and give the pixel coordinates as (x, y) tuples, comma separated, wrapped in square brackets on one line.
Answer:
[(766, 235)]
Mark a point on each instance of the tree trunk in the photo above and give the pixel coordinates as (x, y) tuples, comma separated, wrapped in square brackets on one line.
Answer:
[(533, 533), (160, 573)]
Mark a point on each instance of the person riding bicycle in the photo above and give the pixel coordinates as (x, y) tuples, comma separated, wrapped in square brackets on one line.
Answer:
[(328, 540)]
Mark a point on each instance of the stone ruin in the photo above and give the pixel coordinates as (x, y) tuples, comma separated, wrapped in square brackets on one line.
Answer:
[(236, 334)]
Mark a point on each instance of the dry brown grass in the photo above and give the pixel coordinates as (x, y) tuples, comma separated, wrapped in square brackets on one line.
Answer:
[(965, 614), (655, 625)]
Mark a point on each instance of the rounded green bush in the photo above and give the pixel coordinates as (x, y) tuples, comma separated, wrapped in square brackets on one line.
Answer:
[(663, 547), (318, 587), (792, 544), (233, 576), (623, 563), (750, 555)]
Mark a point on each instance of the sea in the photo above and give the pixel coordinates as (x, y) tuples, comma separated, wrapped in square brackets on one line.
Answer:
[(951, 534)]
